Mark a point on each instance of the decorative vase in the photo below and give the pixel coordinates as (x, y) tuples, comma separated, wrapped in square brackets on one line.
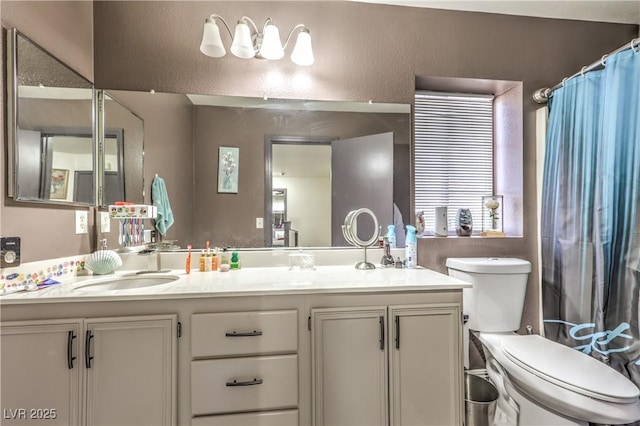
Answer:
[(492, 213), (464, 223)]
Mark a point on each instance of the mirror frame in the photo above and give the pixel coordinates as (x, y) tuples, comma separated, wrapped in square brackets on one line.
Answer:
[(12, 121)]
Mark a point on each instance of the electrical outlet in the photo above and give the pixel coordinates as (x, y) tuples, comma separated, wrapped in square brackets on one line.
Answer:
[(9, 252), (105, 222), (82, 222), (259, 223)]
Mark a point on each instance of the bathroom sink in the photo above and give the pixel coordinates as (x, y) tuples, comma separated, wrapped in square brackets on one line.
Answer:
[(126, 282)]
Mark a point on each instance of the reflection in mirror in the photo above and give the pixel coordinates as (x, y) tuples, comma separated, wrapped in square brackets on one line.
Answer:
[(204, 123), (50, 125), (122, 163)]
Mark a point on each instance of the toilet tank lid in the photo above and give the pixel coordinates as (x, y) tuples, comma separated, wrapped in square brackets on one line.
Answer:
[(489, 265)]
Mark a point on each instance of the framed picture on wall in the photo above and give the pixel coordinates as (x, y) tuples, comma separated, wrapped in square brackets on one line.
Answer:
[(228, 162), (59, 184)]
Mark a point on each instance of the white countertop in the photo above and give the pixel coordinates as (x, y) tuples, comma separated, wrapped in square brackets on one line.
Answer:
[(258, 281)]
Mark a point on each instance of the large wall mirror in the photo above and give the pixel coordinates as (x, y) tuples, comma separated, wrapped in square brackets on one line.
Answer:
[(328, 157), (54, 139)]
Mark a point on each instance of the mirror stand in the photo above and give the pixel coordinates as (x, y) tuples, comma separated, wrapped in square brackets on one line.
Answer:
[(350, 233)]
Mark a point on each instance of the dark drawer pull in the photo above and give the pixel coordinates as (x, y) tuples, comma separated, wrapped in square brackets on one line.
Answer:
[(87, 349), (246, 334), (70, 357), (249, 383)]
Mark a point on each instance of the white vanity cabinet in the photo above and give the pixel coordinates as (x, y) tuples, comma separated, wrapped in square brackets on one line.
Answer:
[(404, 357), (244, 368), (40, 371), (91, 371)]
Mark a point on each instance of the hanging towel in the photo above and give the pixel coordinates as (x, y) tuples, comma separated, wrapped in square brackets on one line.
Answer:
[(160, 199)]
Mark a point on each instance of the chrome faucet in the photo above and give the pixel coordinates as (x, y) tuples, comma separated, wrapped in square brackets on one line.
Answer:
[(387, 259), (154, 259)]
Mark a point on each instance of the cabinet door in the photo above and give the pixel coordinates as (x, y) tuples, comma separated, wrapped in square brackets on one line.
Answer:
[(40, 372), (130, 370), (349, 366), (426, 365)]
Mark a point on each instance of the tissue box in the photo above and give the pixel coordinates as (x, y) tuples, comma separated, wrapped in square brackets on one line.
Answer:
[(133, 211)]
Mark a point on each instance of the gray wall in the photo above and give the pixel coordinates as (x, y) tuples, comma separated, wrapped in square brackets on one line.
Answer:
[(64, 28), (363, 52), (229, 219)]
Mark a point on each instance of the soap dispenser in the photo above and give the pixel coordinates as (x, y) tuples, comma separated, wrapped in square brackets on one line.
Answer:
[(391, 236)]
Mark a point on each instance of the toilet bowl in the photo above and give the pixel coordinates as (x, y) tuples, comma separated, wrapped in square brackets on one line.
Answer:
[(540, 382)]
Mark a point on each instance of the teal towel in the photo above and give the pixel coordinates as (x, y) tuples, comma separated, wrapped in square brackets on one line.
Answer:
[(160, 199)]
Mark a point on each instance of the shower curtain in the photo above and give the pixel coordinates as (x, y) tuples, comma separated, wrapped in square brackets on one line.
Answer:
[(591, 215)]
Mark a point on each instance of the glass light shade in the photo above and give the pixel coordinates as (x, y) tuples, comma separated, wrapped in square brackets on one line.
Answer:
[(242, 46), (271, 45), (302, 52), (211, 42)]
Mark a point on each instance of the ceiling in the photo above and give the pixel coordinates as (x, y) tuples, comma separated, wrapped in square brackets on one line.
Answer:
[(618, 11)]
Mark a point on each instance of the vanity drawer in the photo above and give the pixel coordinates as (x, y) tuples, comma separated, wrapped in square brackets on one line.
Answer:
[(261, 383), (267, 418), (244, 333)]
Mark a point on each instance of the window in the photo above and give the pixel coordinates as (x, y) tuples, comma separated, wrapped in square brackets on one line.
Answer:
[(453, 154)]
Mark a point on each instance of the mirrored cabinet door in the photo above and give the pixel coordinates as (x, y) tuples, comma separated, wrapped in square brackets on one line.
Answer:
[(51, 142), (121, 138)]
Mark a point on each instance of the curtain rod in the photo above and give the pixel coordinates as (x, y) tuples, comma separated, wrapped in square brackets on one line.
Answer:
[(542, 96)]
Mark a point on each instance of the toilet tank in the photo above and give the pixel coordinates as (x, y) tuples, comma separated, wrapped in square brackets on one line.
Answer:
[(495, 302)]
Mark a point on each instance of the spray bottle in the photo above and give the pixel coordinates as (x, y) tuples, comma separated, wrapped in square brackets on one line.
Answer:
[(411, 247)]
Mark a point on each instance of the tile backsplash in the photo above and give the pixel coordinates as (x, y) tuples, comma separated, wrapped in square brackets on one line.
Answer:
[(37, 272)]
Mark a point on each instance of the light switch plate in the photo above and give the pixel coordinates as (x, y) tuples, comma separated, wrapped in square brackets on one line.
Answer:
[(82, 221), (259, 223), (105, 222)]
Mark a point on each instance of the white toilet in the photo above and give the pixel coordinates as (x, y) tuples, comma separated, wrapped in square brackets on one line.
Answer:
[(540, 382)]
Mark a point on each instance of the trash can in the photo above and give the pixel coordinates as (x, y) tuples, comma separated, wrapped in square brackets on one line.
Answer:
[(480, 398)]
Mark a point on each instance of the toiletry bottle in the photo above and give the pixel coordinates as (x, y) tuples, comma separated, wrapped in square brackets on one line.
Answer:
[(214, 260), (391, 236), (202, 256), (411, 244), (235, 260), (224, 257), (208, 262)]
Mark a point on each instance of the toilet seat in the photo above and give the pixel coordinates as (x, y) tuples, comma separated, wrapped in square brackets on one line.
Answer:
[(556, 398), (568, 368)]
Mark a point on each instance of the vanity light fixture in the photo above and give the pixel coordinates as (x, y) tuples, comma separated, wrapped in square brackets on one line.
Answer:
[(249, 42)]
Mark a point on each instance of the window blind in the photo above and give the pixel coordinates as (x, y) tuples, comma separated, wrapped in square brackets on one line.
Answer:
[(453, 154)]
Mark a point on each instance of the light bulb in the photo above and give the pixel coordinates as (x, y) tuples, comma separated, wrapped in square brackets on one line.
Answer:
[(302, 52), (271, 45), (211, 42), (242, 46)]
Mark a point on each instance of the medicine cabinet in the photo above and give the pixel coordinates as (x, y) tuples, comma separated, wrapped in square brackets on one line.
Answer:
[(67, 143)]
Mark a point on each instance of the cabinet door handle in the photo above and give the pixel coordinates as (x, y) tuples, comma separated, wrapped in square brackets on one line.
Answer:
[(87, 349), (245, 334), (397, 331), (381, 333), (248, 383), (70, 357)]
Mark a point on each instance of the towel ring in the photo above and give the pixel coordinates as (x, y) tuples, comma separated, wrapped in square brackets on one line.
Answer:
[(604, 59)]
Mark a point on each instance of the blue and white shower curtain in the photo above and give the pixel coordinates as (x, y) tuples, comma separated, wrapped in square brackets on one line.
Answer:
[(591, 215)]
